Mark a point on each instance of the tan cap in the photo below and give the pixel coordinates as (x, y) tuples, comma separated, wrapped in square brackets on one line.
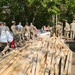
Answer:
[(13, 21)]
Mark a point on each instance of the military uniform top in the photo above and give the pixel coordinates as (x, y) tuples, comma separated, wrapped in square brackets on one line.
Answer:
[(73, 26), (14, 29), (58, 27), (32, 28), (27, 28), (67, 27), (58, 30)]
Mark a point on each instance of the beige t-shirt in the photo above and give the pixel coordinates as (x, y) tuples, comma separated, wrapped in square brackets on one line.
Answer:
[(14, 29), (67, 27), (73, 26)]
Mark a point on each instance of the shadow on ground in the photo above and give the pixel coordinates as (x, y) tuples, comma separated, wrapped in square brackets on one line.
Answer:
[(71, 45)]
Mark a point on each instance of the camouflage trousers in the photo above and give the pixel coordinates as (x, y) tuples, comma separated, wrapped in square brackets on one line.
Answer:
[(32, 35), (67, 34), (17, 40), (58, 33)]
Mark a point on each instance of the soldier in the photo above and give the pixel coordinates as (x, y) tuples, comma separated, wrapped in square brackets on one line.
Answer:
[(32, 31), (23, 33), (67, 29), (14, 27), (15, 33), (27, 32), (59, 29), (73, 29)]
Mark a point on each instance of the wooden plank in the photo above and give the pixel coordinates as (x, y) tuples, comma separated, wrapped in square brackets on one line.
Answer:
[(11, 66), (70, 63), (67, 64), (17, 67), (4, 64)]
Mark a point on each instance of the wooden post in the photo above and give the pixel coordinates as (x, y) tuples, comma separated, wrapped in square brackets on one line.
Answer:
[(70, 63)]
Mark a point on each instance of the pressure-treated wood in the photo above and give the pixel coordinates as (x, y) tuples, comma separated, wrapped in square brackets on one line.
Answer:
[(43, 56)]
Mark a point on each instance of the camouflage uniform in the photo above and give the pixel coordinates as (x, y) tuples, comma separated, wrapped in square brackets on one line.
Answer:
[(73, 29), (58, 30), (27, 32), (67, 30), (14, 29), (32, 31), (23, 33), (15, 34)]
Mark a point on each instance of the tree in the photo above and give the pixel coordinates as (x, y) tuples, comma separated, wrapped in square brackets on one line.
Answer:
[(39, 12)]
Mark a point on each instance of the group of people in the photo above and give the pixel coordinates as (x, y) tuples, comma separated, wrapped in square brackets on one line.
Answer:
[(21, 33), (67, 31), (16, 35), (70, 29)]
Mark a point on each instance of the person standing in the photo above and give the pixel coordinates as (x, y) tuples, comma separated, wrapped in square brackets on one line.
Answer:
[(73, 28), (59, 29), (27, 32), (33, 30), (14, 27), (67, 29), (15, 33)]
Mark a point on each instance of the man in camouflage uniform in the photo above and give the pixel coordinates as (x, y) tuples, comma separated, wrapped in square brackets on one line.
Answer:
[(23, 33), (59, 29), (73, 29), (32, 31), (15, 34), (67, 29), (14, 27), (27, 32)]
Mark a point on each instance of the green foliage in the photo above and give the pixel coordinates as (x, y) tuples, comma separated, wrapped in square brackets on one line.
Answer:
[(41, 10)]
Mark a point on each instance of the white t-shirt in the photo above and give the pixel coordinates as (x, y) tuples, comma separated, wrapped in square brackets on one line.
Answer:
[(19, 27)]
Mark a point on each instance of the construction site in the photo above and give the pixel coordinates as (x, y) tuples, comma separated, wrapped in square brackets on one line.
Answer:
[(37, 37), (43, 56)]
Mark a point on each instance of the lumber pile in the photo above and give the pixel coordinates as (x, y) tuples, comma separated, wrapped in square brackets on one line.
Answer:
[(44, 56)]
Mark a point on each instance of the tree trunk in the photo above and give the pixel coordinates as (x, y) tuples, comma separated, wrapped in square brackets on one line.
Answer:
[(53, 19), (26, 11), (56, 19), (33, 18), (26, 19)]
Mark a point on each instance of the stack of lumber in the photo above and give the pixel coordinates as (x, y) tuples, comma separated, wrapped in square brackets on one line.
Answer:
[(44, 56)]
